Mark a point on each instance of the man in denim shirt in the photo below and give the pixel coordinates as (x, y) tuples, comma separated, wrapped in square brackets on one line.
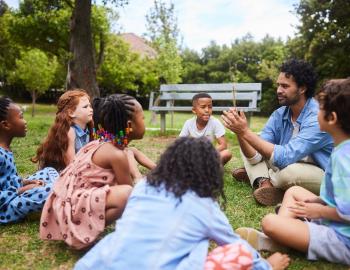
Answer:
[(291, 149)]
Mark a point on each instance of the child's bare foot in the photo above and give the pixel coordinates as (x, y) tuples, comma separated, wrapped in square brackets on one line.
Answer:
[(279, 261)]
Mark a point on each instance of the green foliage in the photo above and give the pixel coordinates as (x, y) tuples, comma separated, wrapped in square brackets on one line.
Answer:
[(163, 32), (38, 25), (324, 36), (9, 50), (162, 22), (244, 61), (168, 61), (123, 70), (35, 70)]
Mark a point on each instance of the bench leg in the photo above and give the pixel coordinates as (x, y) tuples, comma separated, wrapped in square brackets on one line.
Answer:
[(162, 122), (248, 115)]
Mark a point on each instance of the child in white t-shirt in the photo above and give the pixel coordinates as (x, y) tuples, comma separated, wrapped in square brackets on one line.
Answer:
[(205, 125)]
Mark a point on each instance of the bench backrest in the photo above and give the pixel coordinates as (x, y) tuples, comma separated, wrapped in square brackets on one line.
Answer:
[(170, 93)]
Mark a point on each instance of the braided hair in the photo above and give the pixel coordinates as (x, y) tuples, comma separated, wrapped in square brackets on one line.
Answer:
[(113, 112), (190, 164), (4, 107)]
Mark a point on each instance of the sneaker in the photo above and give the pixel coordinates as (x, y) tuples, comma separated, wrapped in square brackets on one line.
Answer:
[(241, 175), (259, 240), (269, 196)]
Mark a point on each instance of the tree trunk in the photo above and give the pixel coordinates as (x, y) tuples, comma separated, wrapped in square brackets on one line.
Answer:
[(81, 67), (33, 102)]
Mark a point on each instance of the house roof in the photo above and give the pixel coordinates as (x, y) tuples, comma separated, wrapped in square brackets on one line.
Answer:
[(139, 45)]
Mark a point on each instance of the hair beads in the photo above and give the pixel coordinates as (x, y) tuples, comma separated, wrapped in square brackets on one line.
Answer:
[(120, 138)]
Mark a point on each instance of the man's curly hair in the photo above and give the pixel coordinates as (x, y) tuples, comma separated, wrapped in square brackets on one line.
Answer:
[(190, 164), (303, 74), (334, 96)]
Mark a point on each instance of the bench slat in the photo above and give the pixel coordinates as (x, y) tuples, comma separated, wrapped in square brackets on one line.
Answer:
[(189, 108), (214, 95), (211, 87)]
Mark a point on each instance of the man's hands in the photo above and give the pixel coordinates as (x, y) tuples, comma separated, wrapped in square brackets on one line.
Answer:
[(235, 121)]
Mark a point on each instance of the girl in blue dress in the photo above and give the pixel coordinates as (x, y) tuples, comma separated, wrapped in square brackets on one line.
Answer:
[(18, 196)]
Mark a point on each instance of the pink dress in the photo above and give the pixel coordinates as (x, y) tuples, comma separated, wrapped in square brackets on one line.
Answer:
[(75, 210)]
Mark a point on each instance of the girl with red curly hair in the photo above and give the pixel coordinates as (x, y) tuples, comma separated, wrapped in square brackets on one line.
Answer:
[(71, 130)]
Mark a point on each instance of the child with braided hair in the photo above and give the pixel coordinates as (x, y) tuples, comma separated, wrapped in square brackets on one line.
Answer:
[(18, 197), (71, 130), (93, 189)]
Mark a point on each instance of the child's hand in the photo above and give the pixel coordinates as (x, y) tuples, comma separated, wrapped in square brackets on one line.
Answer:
[(36, 182), (307, 210), (315, 200), (29, 186)]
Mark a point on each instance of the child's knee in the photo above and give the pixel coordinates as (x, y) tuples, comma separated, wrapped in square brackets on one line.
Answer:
[(225, 156), (268, 223), (292, 191)]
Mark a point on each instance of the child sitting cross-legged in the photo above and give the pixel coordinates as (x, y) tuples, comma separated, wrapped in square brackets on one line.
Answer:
[(93, 189), (206, 125), (172, 214), (18, 197), (317, 225)]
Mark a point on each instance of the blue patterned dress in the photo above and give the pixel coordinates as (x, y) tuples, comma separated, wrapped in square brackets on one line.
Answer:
[(14, 206)]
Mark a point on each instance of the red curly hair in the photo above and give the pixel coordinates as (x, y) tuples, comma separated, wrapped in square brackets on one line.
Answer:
[(52, 152)]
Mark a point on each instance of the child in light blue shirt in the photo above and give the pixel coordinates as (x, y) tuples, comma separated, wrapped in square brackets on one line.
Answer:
[(171, 216)]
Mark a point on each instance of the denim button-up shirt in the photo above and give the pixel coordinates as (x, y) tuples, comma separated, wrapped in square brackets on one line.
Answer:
[(81, 137), (310, 141)]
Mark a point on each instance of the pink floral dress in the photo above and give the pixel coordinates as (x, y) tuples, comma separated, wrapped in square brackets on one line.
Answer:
[(75, 210)]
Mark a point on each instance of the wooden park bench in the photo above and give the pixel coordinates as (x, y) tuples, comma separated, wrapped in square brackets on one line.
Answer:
[(178, 97)]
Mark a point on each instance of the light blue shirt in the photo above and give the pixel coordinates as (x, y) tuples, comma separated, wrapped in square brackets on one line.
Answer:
[(81, 137), (310, 141), (158, 231), (335, 190)]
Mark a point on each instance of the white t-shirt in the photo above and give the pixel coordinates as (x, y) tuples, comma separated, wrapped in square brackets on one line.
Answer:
[(213, 129)]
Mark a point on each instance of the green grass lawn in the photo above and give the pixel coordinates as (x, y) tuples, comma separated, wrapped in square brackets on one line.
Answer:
[(21, 248)]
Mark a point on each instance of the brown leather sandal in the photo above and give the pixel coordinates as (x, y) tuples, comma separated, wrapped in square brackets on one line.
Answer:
[(241, 175)]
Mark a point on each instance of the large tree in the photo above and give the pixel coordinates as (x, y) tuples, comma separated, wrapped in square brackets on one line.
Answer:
[(82, 66), (73, 30)]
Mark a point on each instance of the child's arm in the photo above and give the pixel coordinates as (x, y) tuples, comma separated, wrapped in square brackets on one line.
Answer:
[(71, 146), (221, 143), (142, 159), (109, 157)]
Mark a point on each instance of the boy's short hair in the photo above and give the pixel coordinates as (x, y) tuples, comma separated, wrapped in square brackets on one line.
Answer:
[(198, 96), (334, 96)]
